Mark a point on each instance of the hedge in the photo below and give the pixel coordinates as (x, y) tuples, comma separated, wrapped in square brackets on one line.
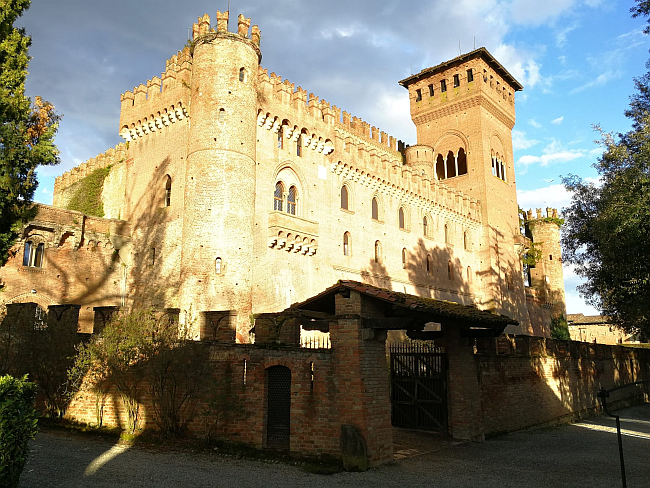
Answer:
[(17, 426)]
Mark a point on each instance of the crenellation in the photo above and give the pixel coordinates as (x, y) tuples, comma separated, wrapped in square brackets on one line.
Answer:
[(222, 21), (243, 25)]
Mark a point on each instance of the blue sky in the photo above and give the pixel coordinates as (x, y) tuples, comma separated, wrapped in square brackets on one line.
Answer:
[(576, 60)]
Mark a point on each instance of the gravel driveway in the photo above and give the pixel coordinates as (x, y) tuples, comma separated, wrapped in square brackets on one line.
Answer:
[(583, 454)]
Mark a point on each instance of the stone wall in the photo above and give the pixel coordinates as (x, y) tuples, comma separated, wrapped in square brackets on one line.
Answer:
[(526, 381)]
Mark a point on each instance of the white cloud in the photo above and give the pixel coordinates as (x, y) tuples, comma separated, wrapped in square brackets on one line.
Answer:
[(574, 302), (534, 123), (531, 12), (553, 153), (519, 140), (557, 121), (600, 80), (561, 37), (520, 63), (555, 196)]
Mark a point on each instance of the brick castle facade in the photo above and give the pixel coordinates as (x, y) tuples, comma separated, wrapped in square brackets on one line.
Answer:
[(238, 193)]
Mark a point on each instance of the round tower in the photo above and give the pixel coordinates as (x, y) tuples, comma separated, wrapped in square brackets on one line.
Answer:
[(547, 275), (420, 158), (217, 241)]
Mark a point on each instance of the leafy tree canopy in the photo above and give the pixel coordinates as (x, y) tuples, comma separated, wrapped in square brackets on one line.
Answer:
[(27, 128), (607, 224)]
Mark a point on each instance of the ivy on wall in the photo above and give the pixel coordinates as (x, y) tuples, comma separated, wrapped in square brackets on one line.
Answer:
[(87, 193)]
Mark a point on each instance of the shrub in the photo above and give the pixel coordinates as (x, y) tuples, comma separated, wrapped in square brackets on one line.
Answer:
[(17, 426), (560, 328)]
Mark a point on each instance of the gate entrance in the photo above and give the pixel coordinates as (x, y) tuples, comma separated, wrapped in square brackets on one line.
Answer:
[(418, 395), (278, 407)]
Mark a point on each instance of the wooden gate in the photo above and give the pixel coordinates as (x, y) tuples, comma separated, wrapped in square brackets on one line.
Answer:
[(418, 396), (278, 408)]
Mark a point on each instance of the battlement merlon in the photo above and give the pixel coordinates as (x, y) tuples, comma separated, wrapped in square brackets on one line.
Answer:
[(273, 90), (551, 213)]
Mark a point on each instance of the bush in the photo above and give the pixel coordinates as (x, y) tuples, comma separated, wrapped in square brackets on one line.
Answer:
[(17, 426), (560, 328)]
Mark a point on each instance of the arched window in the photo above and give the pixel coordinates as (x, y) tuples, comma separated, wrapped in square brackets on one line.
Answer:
[(451, 165), (401, 218), (217, 265), (377, 251), (222, 115), (344, 197), (404, 258), (440, 167), (462, 162), (375, 209), (346, 244), (242, 75), (450, 271), (168, 191), (447, 234), (429, 265), (291, 200), (425, 226), (33, 255), (278, 196)]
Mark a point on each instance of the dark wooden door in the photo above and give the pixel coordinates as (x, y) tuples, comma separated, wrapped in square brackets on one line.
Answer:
[(278, 408)]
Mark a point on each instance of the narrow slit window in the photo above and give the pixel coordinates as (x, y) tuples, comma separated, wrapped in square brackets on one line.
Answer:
[(470, 75), (222, 115), (244, 371), (418, 95), (299, 146), (450, 271), (443, 86), (375, 209), (429, 267), (377, 251), (344, 198), (346, 244), (456, 81), (311, 377), (430, 90), (242, 75), (425, 227), (280, 138), (217, 265), (401, 218), (152, 256), (168, 191), (404, 258)]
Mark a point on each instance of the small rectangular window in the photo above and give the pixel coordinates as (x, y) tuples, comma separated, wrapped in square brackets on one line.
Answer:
[(152, 256), (443, 86), (456, 81), (470, 75), (430, 90), (299, 147), (280, 138), (418, 95)]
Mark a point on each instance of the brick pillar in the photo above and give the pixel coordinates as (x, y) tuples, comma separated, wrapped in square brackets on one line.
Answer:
[(361, 377), (465, 415)]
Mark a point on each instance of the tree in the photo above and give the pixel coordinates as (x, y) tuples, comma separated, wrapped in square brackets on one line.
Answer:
[(27, 128), (607, 224), (560, 328), (142, 354)]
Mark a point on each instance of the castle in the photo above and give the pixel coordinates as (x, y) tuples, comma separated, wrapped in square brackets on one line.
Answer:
[(237, 193)]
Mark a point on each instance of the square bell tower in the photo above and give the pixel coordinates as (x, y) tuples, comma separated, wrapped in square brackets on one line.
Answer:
[(465, 109)]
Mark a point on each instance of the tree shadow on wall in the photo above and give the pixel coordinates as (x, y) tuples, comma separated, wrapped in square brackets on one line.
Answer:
[(150, 277), (438, 273)]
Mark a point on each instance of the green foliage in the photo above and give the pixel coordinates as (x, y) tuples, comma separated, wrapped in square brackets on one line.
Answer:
[(18, 421), (555, 220), (144, 352), (560, 328), (532, 255), (27, 128), (87, 196)]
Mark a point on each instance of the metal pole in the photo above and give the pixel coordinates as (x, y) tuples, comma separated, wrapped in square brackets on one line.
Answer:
[(603, 394)]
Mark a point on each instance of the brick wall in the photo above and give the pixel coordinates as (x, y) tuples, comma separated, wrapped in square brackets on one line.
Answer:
[(525, 381)]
